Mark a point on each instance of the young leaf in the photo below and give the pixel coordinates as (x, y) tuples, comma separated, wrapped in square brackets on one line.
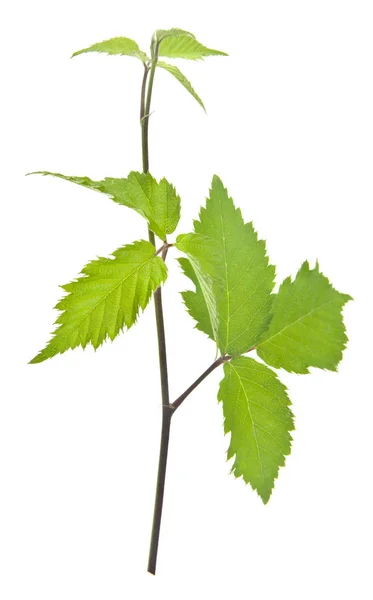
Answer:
[(257, 414), (158, 203), (161, 34), (186, 46), (182, 79), (306, 329), (243, 279), (118, 45), (107, 298)]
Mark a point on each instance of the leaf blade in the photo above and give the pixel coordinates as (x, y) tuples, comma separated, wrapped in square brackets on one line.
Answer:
[(106, 299), (179, 76), (200, 304), (187, 47), (122, 46), (257, 414), (173, 32), (240, 261), (195, 302), (306, 329), (157, 202)]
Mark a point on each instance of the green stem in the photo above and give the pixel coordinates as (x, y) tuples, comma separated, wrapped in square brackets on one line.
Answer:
[(145, 106), (166, 410)]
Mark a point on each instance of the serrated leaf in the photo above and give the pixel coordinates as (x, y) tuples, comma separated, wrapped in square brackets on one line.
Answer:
[(198, 303), (173, 32), (201, 304), (106, 299), (243, 279), (186, 46), (157, 202), (306, 329), (257, 414), (182, 79), (202, 248), (116, 46)]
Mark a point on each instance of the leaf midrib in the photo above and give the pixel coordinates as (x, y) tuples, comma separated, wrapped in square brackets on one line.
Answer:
[(105, 297), (252, 421)]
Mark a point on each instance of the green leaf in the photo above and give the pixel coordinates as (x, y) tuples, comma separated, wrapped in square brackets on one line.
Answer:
[(107, 298), (182, 79), (201, 248), (257, 414), (186, 46), (161, 34), (119, 45), (201, 304), (306, 329), (242, 278), (158, 203)]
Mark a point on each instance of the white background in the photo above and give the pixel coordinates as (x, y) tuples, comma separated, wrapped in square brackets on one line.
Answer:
[(289, 129)]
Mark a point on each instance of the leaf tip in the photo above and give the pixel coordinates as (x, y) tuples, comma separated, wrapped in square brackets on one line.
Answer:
[(216, 181), (35, 360)]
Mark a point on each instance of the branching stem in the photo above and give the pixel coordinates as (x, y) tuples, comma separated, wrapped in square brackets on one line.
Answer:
[(217, 363), (167, 408), (146, 96)]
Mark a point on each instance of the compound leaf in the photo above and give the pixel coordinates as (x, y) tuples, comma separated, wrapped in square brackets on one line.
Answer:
[(242, 278), (157, 202), (119, 45), (185, 46), (107, 298), (257, 414), (182, 79), (306, 329)]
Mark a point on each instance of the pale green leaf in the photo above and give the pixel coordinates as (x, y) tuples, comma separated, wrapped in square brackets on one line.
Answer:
[(306, 329), (182, 79), (157, 202), (116, 46), (106, 299), (161, 34), (258, 417), (243, 279), (186, 46)]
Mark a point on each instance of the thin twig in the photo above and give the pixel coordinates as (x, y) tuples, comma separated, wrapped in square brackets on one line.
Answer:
[(219, 361)]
